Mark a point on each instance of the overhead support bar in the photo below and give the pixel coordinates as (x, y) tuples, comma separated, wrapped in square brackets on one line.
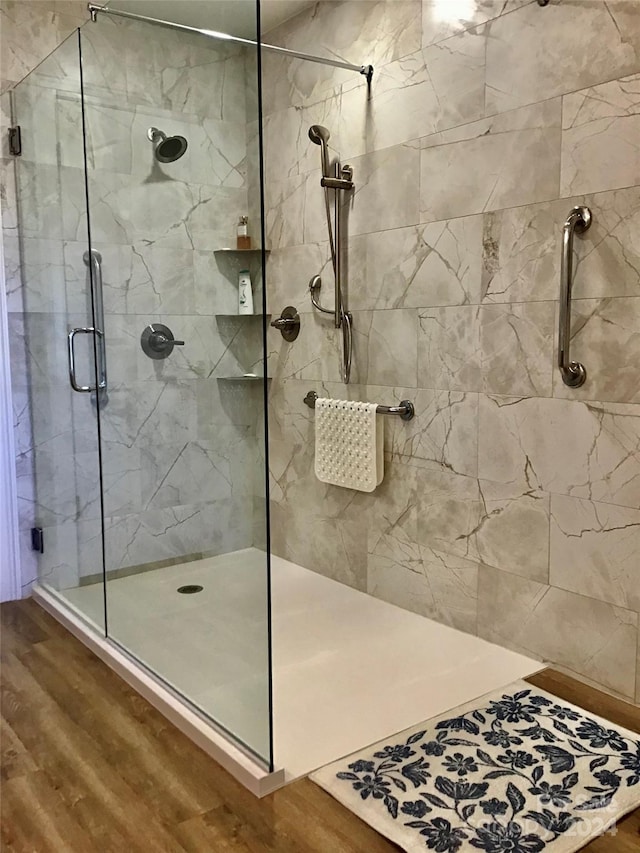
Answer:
[(365, 70)]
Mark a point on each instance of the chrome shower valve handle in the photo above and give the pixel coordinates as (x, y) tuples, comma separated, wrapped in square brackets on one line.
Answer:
[(157, 341)]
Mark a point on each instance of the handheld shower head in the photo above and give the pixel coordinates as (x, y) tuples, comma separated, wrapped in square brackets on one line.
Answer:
[(320, 136)]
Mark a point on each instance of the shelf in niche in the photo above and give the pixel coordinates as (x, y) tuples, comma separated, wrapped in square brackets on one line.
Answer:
[(247, 377), (242, 316), (229, 251)]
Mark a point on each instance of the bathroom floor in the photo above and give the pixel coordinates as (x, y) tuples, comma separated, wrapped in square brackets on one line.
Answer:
[(349, 669), (89, 765)]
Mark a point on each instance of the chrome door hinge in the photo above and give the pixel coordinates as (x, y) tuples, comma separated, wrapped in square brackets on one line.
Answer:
[(15, 140)]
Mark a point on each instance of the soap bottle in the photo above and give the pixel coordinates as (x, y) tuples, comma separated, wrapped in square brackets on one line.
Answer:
[(243, 241), (245, 293)]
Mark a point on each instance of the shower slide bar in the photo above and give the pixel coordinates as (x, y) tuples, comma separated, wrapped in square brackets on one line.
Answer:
[(573, 373), (365, 70), (405, 410)]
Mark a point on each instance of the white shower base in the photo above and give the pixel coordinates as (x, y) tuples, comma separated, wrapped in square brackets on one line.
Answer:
[(348, 669)]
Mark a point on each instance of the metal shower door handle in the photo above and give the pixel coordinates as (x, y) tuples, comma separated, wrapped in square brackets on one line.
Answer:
[(573, 373), (85, 330)]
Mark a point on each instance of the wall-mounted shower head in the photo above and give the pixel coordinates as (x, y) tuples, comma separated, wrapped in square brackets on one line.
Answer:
[(167, 148), (320, 136)]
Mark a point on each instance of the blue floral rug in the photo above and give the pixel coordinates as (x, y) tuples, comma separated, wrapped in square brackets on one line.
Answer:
[(518, 770)]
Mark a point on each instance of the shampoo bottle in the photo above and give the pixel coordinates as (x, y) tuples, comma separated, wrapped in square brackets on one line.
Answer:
[(245, 294)]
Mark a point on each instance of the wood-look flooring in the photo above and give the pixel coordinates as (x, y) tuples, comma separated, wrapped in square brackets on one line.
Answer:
[(88, 765)]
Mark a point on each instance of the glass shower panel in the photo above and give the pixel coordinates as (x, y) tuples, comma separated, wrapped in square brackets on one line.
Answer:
[(60, 482), (172, 165)]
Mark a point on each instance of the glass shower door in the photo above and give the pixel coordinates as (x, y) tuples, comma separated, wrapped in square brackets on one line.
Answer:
[(171, 121), (59, 474)]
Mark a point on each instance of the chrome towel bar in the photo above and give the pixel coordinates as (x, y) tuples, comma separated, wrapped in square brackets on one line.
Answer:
[(405, 410)]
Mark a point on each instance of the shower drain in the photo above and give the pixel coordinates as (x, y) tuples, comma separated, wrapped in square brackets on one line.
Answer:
[(190, 588)]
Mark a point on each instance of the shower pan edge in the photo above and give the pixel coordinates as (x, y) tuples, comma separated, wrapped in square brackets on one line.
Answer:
[(243, 767)]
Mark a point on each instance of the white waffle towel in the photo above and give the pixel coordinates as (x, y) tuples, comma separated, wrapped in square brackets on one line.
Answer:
[(349, 444)]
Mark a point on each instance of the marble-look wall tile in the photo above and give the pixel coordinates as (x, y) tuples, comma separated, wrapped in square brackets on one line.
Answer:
[(513, 531), (386, 189), (591, 638), (39, 105), (71, 549), (441, 21), (289, 272), (392, 510), (198, 470), (30, 31), (600, 135), (8, 197), (284, 211), (594, 550), (22, 420), (430, 90), (449, 355), (522, 248), (520, 72), (520, 254), (166, 214), (46, 282), (119, 490), (375, 32), (38, 195), (516, 348), (181, 73), (334, 547), (508, 160), (12, 274), (417, 267), (580, 449), (160, 412), (608, 254), (392, 339), (499, 525), (160, 534), (434, 584), (442, 435), (605, 337), (449, 511), (37, 359), (473, 477)]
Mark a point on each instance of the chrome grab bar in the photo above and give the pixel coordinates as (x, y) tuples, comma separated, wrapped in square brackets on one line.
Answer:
[(86, 330), (94, 260), (573, 373), (405, 410)]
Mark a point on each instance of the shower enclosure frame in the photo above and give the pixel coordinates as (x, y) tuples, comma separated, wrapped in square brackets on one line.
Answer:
[(260, 776)]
